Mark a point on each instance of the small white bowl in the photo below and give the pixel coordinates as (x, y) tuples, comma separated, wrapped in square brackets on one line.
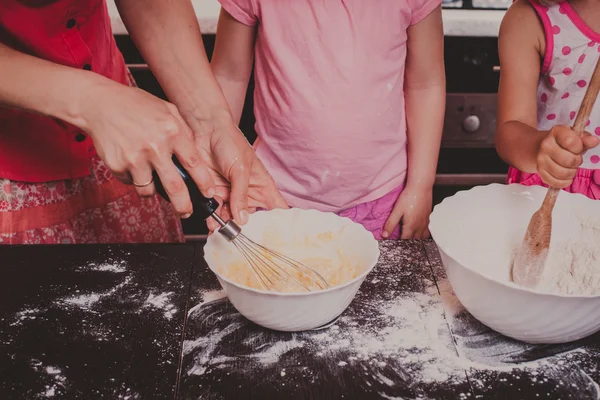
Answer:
[(276, 229), (475, 231)]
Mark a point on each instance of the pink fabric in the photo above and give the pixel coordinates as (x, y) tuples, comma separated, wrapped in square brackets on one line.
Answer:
[(571, 56), (568, 10), (549, 34), (329, 98), (94, 209), (373, 214), (587, 181)]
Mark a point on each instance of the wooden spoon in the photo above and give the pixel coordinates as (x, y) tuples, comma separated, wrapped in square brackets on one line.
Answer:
[(531, 258)]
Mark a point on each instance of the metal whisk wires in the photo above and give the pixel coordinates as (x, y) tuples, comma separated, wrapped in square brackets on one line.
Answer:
[(271, 269)]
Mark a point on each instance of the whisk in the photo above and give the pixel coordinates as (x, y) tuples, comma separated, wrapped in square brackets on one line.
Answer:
[(272, 269)]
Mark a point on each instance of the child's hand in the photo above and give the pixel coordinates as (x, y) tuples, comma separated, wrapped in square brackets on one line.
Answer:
[(412, 208), (225, 213), (560, 155)]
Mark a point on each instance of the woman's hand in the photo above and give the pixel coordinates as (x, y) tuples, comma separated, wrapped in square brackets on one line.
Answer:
[(561, 153), (412, 210), (136, 133)]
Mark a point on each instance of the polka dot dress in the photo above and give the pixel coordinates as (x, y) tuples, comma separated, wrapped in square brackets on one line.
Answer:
[(572, 50)]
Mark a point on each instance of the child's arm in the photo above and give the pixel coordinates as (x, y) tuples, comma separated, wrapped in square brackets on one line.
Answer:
[(232, 60), (520, 45), (425, 94), (554, 154)]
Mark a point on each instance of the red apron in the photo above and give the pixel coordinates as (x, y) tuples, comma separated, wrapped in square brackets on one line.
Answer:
[(53, 186)]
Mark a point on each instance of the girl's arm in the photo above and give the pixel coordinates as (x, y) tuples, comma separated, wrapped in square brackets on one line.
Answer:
[(556, 154), (425, 93), (521, 44), (232, 60)]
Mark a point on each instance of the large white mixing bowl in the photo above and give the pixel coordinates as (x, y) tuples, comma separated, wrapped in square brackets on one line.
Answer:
[(276, 229), (475, 231)]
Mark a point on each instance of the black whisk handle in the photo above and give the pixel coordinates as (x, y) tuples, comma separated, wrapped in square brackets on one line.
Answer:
[(206, 207)]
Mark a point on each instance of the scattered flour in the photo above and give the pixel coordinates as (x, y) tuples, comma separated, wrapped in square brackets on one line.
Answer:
[(84, 300), (116, 267), (25, 315), (407, 335), (207, 297), (573, 267), (57, 380), (163, 302), (87, 301)]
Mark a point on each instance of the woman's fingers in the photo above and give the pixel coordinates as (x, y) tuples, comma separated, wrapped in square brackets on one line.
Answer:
[(184, 147), (175, 187), (141, 178)]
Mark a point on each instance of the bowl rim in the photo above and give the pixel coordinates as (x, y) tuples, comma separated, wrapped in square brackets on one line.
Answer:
[(511, 285), (371, 264)]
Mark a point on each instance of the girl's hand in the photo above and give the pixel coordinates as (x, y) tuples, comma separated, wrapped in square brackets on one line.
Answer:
[(412, 209), (561, 153), (224, 211), (241, 179)]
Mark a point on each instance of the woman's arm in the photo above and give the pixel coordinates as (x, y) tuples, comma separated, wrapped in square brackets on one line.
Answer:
[(169, 38), (425, 93), (232, 60), (39, 86), (131, 129), (520, 44)]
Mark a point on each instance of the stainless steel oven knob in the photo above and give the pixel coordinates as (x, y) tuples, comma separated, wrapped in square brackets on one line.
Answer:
[(471, 124)]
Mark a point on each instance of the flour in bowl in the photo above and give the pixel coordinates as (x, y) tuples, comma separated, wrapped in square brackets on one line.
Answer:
[(313, 258), (573, 266), (282, 277)]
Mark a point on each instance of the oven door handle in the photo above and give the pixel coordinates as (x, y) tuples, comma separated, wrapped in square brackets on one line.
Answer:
[(468, 179), (138, 67)]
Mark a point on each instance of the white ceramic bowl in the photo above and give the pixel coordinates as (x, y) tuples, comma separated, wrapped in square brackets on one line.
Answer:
[(475, 230), (276, 229)]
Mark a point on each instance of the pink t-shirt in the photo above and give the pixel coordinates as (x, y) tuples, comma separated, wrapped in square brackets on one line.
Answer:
[(329, 98)]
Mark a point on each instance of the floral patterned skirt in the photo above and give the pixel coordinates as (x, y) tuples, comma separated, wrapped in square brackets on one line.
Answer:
[(94, 209)]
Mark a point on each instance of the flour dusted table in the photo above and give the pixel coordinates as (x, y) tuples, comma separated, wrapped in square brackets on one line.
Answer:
[(125, 322)]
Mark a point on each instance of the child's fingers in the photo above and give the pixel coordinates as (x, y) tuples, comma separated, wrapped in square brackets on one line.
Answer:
[(569, 140), (392, 222), (589, 141), (408, 232), (222, 211), (212, 226), (557, 171), (422, 233), (549, 175), (550, 181), (240, 181), (425, 234), (565, 159)]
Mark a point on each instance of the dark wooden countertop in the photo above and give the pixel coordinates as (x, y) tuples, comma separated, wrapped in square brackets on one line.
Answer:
[(150, 322)]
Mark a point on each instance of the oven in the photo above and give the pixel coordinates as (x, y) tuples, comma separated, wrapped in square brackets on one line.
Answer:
[(467, 156)]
